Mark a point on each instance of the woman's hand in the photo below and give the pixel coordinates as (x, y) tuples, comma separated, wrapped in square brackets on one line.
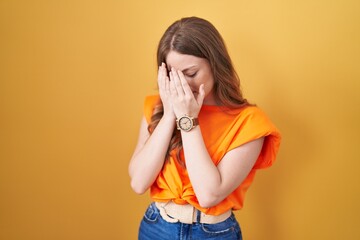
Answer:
[(164, 91), (182, 97)]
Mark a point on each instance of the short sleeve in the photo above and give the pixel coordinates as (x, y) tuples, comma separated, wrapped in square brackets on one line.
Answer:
[(253, 124), (149, 104)]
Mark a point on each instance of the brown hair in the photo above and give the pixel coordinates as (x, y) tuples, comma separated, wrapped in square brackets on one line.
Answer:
[(198, 37)]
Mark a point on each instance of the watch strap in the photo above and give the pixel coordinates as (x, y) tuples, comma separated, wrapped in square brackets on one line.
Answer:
[(195, 121)]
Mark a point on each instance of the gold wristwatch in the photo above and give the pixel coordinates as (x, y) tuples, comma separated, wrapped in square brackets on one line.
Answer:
[(186, 123)]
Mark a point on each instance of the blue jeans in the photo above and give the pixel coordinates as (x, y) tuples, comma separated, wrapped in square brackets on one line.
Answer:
[(154, 227)]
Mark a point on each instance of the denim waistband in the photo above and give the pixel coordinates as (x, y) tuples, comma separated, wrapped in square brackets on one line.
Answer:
[(172, 212)]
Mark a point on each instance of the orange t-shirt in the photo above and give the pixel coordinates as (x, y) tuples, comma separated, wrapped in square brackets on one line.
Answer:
[(222, 131)]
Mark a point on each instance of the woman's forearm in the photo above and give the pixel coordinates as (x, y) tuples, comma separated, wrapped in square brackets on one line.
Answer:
[(148, 160), (204, 175), (213, 183)]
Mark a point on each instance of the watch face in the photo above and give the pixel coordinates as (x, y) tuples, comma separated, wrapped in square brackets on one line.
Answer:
[(185, 123)]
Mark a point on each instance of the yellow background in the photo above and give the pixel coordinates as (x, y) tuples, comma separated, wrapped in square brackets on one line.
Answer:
[(73, 76)]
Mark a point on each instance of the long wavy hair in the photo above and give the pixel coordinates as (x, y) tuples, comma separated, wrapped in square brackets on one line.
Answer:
[(198, 37)]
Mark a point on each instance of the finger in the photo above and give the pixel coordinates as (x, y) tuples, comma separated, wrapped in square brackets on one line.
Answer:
[(160, 73), (201, 95), (159, 78), (186, 88), (164, 72), (172, 87), (177, 83), (162, 77), (167, 86)]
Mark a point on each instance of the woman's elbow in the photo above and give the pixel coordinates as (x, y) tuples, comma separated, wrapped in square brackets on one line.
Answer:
[(138, 188), (209, 200)]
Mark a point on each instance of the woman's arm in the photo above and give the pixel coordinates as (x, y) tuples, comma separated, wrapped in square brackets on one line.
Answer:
[(149, 154), (211, 183)]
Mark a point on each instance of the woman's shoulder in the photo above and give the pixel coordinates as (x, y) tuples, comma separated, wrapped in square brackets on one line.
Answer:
[(251, 110), (244, 111), (152, 98), (149, 104), (254, 119), (254, 113), (151, 101)]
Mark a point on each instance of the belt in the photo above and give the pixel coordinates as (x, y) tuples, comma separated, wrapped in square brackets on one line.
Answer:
[(172, 212)]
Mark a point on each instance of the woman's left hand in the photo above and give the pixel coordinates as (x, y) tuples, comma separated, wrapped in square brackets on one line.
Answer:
[(183, 100)]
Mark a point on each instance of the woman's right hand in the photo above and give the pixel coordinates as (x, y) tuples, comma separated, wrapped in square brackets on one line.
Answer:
[(164, 90)]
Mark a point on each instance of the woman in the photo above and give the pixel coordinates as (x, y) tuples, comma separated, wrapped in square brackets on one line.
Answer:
[(200, 141)]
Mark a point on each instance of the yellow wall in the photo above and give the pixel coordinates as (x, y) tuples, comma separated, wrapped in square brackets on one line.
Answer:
[(73, 75)]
